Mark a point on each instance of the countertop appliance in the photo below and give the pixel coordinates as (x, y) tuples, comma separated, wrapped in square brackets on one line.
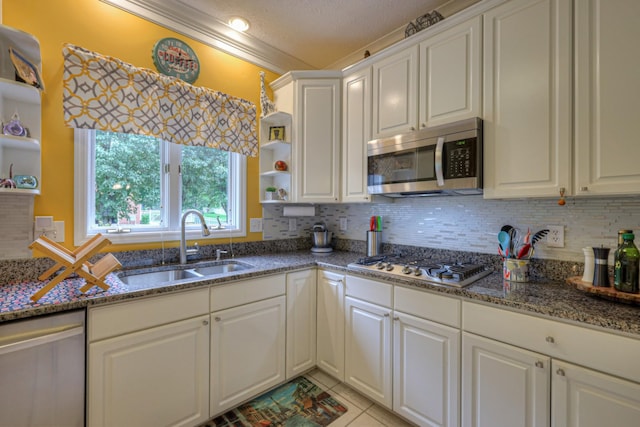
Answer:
[(442, 273), (42, 365), (442, 160), (321, 238)]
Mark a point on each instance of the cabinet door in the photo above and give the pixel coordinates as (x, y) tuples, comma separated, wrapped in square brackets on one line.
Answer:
[(527, 98), (356, 132), (368, 350), (607, 97), (301, 322), (318, 129), (247, 352), (330, 324), (395, 93), (502, 385), (159, 376), (450, 85), (585, 398), (426, 371)]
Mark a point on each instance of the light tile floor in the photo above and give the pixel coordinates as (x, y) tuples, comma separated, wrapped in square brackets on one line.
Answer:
[(362, 411)]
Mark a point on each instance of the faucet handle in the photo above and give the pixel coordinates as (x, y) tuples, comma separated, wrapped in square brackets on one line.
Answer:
[(218, 253)]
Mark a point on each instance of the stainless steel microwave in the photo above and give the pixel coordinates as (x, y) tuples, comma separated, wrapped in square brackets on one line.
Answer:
[(442, 160)]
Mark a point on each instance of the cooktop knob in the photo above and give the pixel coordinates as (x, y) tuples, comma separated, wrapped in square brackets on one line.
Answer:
[(380, 265), (417, 272), (389, 267), (406, 269)]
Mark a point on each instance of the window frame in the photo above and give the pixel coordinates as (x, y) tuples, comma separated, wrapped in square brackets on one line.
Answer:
[(84, 167)]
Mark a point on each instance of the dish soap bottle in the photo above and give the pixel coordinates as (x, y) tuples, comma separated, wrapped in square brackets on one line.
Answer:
[(627, 266)]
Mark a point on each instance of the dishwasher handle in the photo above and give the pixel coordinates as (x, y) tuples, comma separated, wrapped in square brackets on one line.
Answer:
[(32, 339)]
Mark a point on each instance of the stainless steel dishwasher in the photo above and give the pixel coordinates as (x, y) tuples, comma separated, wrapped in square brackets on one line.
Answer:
[(42, 366)]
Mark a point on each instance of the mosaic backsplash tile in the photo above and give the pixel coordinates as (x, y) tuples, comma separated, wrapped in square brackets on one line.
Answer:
[(471, 223)]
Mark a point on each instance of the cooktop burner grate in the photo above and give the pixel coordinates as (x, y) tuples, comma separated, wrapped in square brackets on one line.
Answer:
[(447, 273)]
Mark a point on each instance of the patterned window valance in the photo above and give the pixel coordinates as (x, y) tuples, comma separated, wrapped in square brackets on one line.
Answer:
[(105, 93)]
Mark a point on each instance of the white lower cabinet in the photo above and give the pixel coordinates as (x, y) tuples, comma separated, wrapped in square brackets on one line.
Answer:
[(368, 350), (522, 371), (330, 323), (301, 322), (585, 398), (425, 371), (145, 367), (247, 340), (503, 385)]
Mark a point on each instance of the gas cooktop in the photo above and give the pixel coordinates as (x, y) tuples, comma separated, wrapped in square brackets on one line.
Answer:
[(444, 273)]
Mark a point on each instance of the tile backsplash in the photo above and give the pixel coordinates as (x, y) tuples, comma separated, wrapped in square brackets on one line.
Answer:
[(471, 223)]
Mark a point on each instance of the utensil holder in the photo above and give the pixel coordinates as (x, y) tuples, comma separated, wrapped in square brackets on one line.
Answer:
[(374, 243), (516, 270)]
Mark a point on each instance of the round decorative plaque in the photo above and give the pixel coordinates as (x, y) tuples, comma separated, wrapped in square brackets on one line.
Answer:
[(174, 57)]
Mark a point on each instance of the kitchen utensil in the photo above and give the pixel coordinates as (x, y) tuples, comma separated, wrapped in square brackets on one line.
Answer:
[(504, 239), (538, 236), (524, 251)]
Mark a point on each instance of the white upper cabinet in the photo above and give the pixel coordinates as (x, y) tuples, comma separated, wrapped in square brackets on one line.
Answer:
[(313, 99), (527, 103), (395, 93), (607, 97), (450, 74), (356, 132)]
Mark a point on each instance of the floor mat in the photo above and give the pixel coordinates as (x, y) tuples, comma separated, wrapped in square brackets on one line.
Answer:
[(298, 403)]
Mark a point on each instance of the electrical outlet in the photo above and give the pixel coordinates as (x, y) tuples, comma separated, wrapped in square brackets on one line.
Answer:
[(343, 224), (255, 225), (292, 224), (555, 238)]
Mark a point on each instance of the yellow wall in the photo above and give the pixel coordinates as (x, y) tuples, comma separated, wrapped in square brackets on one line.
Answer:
[(105, 29)]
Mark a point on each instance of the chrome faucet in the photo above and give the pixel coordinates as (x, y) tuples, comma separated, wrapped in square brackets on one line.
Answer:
[(218, 253), (183, 241)]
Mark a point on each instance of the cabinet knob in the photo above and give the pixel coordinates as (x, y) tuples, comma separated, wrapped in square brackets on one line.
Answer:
[(205, 322), (217, 319), (413, 128), (584, 188), (560, 372), (550, 340), (386, 315), (423, 125), (396, 318), (539, 364)]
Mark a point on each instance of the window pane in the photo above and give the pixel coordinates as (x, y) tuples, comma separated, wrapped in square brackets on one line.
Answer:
[(127, 180), (205, 183)]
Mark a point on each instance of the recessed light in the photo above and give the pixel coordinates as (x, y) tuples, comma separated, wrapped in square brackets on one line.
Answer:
[(239, 24)]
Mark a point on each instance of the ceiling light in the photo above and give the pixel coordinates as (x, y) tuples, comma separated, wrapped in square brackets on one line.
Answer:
[(239, 24)]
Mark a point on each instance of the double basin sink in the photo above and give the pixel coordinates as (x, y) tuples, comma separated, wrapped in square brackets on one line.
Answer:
[(163, 276)]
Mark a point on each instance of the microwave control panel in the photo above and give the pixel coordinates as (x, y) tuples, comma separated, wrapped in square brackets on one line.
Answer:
[(460, 158)]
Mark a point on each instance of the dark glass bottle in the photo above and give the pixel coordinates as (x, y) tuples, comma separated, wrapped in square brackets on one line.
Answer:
[(626, 267)]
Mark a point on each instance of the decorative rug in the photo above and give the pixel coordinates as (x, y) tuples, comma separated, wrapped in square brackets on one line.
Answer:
[(298, 403)]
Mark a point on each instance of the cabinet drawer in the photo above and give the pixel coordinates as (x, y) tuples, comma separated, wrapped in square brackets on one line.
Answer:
[(246, 291), (370, 290), (428, 306), (125, 317), (604, 351)]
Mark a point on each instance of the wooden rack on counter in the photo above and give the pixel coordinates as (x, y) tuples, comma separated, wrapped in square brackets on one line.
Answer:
[(76, 261)]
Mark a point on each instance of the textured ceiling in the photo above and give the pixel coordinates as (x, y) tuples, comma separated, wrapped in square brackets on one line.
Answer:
[(293, 34)]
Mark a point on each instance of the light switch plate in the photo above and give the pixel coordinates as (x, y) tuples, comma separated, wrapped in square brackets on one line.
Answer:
[(343, 224), (292, 224), (255, 225), (59, 233)]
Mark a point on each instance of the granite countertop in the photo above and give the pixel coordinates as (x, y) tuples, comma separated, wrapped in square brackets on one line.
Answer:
[(554, 299)]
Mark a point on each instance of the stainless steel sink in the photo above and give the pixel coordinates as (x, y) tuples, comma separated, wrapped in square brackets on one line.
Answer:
[(151, 278)]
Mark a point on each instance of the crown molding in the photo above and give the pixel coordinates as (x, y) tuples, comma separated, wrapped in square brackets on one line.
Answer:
[(192, 23)]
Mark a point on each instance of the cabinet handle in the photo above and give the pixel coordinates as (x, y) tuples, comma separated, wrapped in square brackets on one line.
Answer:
[(205, 322), (550, 340), (396, 318), (560, 372), (584, 188), (386, 315), (539, 364), (217, 319)]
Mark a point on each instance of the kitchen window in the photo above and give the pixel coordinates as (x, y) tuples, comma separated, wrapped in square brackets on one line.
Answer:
[(135, 188)]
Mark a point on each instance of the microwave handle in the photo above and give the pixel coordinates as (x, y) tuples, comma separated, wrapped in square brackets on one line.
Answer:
[(438, 162)]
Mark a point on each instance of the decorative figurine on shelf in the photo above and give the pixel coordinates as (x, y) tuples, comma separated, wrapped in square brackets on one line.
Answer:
[(14, 127), (282, 194), (266, 104), (8, 182), (280, 166)]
